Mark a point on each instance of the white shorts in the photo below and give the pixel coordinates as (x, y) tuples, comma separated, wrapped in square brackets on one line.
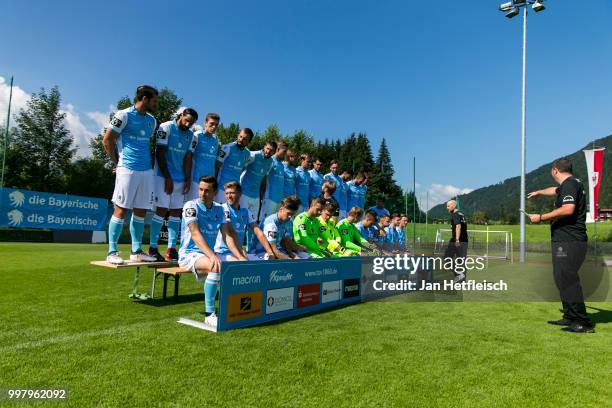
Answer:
[(251, 203), (265, 256), (188, 261), (133, 189), (220, 196), (268, 207), (172, 201)]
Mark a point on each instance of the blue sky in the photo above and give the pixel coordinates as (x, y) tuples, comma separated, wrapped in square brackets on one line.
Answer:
[(439, 80)]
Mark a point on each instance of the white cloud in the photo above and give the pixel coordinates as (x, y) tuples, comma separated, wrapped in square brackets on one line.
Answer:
[(80, 133), (101, 119), (19, 101), (439, 193)]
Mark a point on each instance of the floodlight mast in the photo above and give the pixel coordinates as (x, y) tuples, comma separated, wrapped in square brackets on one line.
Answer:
[(511, 9)]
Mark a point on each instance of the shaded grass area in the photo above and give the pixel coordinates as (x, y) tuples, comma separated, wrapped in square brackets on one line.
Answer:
[(66, 324)]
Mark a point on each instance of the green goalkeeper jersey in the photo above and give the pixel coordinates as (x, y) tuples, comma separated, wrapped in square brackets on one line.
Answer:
[(331, 241), (306, 233), (350, 236)]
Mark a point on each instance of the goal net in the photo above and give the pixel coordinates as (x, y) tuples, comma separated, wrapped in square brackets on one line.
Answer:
[(484, 243)]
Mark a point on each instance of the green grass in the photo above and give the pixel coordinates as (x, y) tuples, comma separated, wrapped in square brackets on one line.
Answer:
[(66, 324), (533, 232)]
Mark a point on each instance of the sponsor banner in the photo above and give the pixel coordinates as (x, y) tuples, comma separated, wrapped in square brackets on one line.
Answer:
[(279, 300), (594, 161), (331, 291), (309, 295), (34, 209), (291, 288)]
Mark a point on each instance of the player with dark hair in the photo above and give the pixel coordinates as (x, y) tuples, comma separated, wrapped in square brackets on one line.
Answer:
[(232, 159), (205, 153), (302, 181), (316, 179), (350, 234), (306, 228), (340, 192), (174, 148), (275, 182), (127, 142)]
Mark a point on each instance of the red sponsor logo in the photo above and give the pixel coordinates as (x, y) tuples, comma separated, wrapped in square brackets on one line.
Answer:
[(309, 295)]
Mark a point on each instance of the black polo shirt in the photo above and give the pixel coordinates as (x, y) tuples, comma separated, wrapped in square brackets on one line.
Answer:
[(572, 227), (458, 218)]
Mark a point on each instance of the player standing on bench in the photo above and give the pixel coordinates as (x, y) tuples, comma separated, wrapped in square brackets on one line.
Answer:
[(232, 160), (127, 142), (274, 181), (203, 220), (174, 149), (205, 153)]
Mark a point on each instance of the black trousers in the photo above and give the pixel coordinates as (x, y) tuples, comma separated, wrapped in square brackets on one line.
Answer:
[(567, 258), (454, 251)]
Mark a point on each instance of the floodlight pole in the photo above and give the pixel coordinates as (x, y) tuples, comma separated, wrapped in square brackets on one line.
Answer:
[(523, 137), (6, 134)]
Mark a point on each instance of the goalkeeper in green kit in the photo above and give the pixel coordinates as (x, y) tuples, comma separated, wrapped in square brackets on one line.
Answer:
[(350, 237), (329, 237), (306, 229)]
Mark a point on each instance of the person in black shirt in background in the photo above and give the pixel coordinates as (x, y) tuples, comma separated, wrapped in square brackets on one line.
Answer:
[(458, 244), (569, 243)]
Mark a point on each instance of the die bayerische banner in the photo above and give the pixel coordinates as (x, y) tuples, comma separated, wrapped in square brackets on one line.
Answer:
[(34, 209), (594, 162)]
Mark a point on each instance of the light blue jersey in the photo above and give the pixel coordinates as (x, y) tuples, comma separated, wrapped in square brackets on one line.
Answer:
[(257, 168), (401, 238), (134, 141), (240, 219), (391, 238), (367, 233), (377, 238), (340, 193), (380, 211), (204, 156), (209, 222), (302, 186), (316, 182), (363, 190), (232, 159), (276, 181), (275, 230), (353, 195), (177, 143), (289, 183)]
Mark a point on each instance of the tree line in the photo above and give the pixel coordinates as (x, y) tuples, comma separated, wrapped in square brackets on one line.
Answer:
[(40, 153)]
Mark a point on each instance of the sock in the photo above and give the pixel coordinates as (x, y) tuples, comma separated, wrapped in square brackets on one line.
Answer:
[(114, 231), (210, 292), (136, 230), (156, 224), (174, 224)]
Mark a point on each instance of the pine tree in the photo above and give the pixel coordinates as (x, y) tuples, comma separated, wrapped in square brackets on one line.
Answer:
[(44, 142)]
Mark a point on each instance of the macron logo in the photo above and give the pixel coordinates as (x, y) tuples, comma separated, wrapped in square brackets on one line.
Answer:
[(15, 217), (280, 276), (17, 198)]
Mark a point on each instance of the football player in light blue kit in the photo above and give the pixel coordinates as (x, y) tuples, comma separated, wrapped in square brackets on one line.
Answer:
[(203, 220), (174, 148), (401, 232), (275, 181), (278, 231), (242, 220), (127, 142), (232, 160), (206, 152), (363, 190), (392, 237), (289, 166), (340, 193), (302, 182), (379, 208), (253, 178), (346, 177), (316, 179), (354, 191)]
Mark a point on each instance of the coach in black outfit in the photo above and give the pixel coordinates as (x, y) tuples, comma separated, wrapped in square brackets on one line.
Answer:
[(458, 244), (569, 243)]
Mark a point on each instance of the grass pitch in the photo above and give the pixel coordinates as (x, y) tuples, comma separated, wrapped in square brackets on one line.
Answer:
[(68, 325)]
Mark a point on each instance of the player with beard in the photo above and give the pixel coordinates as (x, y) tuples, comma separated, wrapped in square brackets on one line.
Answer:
[(231, 161)]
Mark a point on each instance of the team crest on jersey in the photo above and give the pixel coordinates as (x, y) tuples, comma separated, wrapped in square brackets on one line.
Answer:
[(227, 216), (344, 232), (193, 144), (221, 153), (190, 212), (321, 229), (116, 122), (272, 234), (162, 135), (302, 227), (212, 149)]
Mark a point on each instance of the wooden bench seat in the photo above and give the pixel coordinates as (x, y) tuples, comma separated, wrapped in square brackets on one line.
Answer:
[(175, 273)]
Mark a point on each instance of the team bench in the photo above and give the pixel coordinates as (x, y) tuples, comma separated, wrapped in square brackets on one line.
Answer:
[(167, 269)]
